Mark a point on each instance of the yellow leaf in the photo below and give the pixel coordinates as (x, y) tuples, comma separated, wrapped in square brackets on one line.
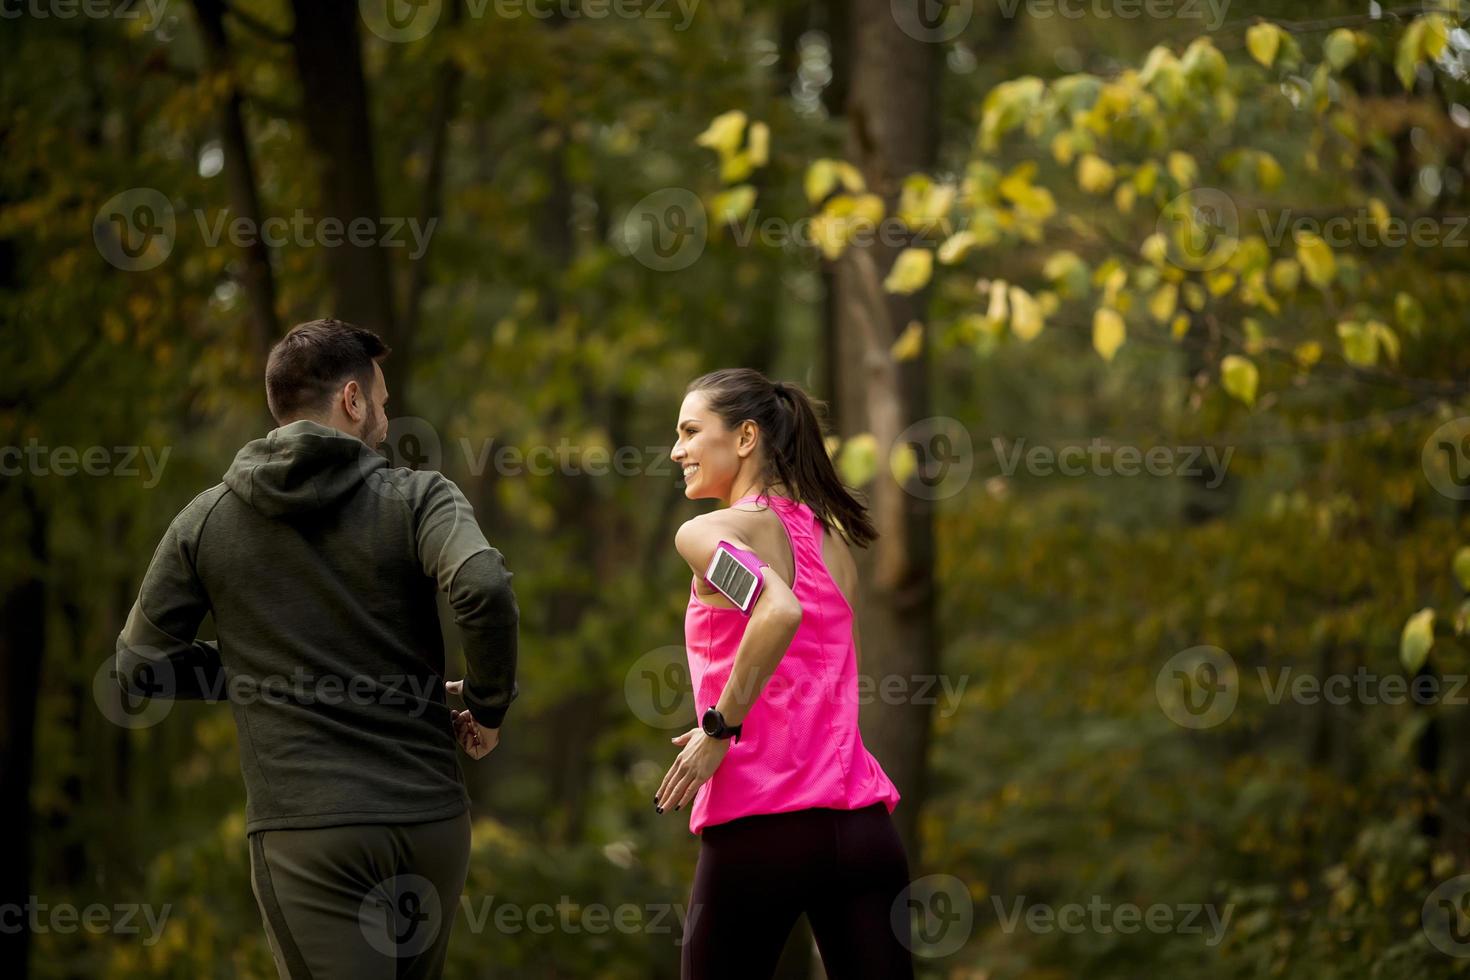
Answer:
[(1307, 353), (1182, 168), (724, 133), (1194, 296), (1316, 258), (1359, 344), (1239, 378), (999, 310), (910, 343), (1379, 212), (857, 460), (1155, 248), (1094, 174), (1263, 40), (1026, 318), (1416, 640), (1268, 171), (956, 247), (1285, 274), (1164, 301), (1340, 48), (911, 271), (732, 204), (1180, 326), (823, 176), (1220, 282), (1063, 148), (1386, 338), (1108, 332), (1124, 197), (759, 147)]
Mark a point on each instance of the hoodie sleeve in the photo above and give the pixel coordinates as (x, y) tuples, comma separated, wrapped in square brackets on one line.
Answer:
[(157, 654), (473, 574)]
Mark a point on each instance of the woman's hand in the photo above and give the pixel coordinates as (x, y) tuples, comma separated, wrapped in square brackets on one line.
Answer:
[(702, 755)]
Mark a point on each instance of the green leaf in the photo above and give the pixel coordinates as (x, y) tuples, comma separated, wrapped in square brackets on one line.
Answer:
[(1006, 107), (1359, 344), (1417, 638), (1340, 48), (1239, 377), (1462, 567)]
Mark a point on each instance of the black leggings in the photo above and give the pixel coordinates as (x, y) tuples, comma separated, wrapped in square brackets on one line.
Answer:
[(756, 875)]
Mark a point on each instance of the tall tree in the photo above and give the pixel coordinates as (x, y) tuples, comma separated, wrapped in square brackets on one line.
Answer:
[(335, 106), (891, 132)]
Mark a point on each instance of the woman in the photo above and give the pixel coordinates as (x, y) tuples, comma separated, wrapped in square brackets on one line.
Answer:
[(792, 811)]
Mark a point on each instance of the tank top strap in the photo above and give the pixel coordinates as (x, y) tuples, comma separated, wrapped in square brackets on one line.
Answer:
[(803, 529)]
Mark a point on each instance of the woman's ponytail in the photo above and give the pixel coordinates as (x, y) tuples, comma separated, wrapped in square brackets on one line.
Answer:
[(791, 424)]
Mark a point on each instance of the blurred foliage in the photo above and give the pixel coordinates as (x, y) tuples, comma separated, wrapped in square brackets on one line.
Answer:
[(1079, 290)]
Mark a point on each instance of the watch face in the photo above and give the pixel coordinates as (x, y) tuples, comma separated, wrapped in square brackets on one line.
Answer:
[(711, 722)]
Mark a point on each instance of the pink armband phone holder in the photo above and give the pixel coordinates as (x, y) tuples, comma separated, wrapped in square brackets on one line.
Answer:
[(736, 574)]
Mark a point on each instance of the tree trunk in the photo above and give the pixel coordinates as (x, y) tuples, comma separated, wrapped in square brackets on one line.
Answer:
[(335, 107), (891, 133), (259, 282)]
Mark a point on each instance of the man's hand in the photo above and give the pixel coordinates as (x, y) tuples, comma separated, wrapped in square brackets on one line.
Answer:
[(476, 740)]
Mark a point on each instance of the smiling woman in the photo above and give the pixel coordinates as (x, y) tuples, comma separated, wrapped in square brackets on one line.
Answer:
[(777, 766)]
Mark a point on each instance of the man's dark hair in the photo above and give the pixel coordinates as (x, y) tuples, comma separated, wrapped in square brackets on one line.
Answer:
[(307, 366)]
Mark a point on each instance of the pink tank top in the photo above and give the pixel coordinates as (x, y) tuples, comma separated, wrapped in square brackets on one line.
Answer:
[(799, 746)]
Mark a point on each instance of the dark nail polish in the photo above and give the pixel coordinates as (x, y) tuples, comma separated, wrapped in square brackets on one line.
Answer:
[(658, 809), (677, 805)]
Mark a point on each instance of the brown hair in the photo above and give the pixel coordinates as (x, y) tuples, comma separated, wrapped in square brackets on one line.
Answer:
[(307, 365), (796, 454)]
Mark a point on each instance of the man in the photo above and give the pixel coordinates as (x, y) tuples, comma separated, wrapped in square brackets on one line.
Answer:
[(320, 564)]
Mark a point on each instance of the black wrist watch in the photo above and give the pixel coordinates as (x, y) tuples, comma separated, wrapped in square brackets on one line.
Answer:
[(714, 725)]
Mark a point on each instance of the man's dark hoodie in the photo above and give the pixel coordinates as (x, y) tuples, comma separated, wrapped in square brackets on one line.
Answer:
[(321, 564)]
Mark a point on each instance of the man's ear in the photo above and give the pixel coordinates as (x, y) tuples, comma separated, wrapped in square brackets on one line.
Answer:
[(354, 402)]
